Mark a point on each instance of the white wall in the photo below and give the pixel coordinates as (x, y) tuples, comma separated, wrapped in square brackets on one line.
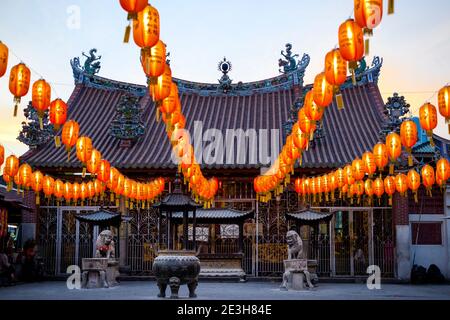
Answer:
[(434, 254)]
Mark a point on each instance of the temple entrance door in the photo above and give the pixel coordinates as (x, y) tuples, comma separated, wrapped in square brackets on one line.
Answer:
[(75, 240), (353, 242)]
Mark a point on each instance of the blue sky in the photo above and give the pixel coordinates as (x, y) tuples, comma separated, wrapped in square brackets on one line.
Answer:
[(414, 43)]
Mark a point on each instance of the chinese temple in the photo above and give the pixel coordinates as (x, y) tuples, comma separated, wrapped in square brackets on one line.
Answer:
[(224, 120)]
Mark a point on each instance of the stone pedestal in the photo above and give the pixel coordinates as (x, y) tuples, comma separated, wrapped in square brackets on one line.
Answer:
[(94, 273), (297, 275), (112, 272)]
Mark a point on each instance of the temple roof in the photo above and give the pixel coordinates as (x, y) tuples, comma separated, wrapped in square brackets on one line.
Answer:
[(258, 105), (219, 214), (307, 216), (100, 217)]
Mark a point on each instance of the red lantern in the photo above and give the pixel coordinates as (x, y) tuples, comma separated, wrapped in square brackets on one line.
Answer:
[(2, 155), (161, 89), (94, 161), (428, 119), (169, 103), (103, 171), (442, 170), (381, 155), (393, 149), (25, 174), (401, 183), (358, 169), (58, 191), (444, 104), (69, 135), (335, 68), (428, 177), (313, 111), (132, 7), (48, 186), (37, 181), (3, 59), (58, 116), (368, 13), (351, 42), (19, 83), (68, 192), (40, 98), (389, 187), (408, 135), (322, 91), (153, 60), (378, 187), (146, 27), (84, 151), (11, 169), (369, 164)]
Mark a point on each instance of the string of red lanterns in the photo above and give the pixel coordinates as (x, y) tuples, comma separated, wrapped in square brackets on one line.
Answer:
[(164, 92)]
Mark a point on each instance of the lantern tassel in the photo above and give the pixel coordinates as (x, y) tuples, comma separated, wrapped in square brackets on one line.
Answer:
[(391, 168), (157, 114), (126, 37), (57, 142), (410, 160), (366, 46), (84, 172), (41, 123), (340, 101), (449, 128), (38, 199), (391, 7)]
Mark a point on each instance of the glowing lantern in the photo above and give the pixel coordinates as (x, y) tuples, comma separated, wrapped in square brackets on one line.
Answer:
[(401, 183), (98, 187), (292, 150), (413, 181), (68, 192), (37, 181), (351, 43), (84, 192), (3, 59), (103, 171), (11, 168), (368, 187), (389, 187), (313, 111), (19, 83), (84, 151), (393, 149), (335, 68), (340, 179), (408, 135), (40, 98), (300, 139), (304, 123), (132, 7), (348, 175), (76, 191), (48, 186), (25, 173), (378, 187), (358, 169), (442, 170), (161, 89), (322, 91), (58, 191), (94, 161), (90, 189), (69, 135), (444, 104), (169, 104), (368, 13), (58, 116), (381, 155), (146, 27), (428, 177), (370, 166), (428, 119), (153, 61)]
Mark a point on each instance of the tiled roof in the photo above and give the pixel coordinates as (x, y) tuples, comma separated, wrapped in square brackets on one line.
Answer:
[(308, 215), (177, 200), (101, 216), (348, 132), (216, 213)]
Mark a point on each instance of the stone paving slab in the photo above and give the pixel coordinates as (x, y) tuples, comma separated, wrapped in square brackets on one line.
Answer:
[(147, 290)]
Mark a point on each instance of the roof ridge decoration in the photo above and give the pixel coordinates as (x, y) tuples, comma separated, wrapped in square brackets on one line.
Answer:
[(282, 82)]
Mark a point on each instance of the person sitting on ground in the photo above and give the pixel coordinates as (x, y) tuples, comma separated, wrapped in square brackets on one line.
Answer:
[(6, 269)]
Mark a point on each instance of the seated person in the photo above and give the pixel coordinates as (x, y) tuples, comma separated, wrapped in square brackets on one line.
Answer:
[(6, 269)]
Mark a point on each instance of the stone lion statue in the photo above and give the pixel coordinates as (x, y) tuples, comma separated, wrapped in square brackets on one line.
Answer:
[(295, 245), (105, 245)]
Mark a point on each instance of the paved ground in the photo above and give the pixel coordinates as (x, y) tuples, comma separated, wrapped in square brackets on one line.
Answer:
[(146, 290)]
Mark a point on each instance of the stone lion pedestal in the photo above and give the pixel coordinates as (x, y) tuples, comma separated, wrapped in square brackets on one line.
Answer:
[(94, 273), (297, 275)]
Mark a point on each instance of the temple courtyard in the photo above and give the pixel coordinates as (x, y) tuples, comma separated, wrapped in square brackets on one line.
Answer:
[(147, 290)]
